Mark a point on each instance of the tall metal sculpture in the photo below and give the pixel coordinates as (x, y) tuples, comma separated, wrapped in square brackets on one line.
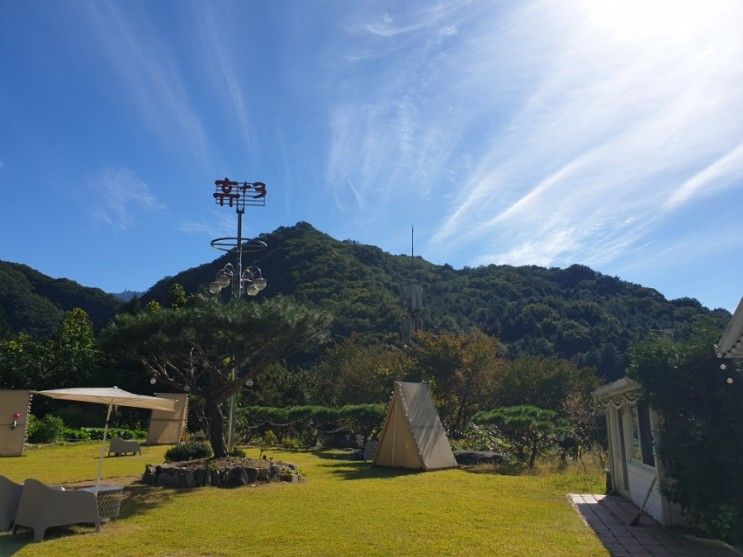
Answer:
[(250, 280)]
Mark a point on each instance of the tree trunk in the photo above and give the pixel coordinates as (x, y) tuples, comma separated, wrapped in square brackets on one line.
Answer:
[(216, 428), (533, 456)]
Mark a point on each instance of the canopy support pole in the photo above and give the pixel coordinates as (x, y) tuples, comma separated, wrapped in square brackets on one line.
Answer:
[(103, 444)]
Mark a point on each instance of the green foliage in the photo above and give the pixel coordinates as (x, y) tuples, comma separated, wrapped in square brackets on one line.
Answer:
[(353, 372), (237, 452), (270, 439), (558, 385), (68, 358), (73, 356), (190, 450), (572, 313), (34, 303), (463, 371), (196, 348), (529, 429), (22, 362), (290, 442), (362, 419), (176, 296), (46, 430), (96, 433), (700, 439), (306, 422)]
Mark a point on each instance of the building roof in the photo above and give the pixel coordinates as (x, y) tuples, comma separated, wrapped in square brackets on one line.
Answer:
[(731, 342), (618, 387)]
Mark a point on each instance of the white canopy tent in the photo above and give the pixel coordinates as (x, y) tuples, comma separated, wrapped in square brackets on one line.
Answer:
[(731, 342), (110, 397)]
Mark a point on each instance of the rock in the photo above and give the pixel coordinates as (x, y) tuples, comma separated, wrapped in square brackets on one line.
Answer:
[(252, 474), (234, 478), (149, 474), (219, 473), (479, 457)]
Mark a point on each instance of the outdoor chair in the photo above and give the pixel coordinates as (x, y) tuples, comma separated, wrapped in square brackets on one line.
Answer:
[(42, 507), (120, 446), (10, 495)]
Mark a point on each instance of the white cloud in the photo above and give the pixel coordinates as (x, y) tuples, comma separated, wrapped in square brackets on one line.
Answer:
[(218, 224), (609, 126), (150, 74), (220, 68), (119, 194), (725, 172)]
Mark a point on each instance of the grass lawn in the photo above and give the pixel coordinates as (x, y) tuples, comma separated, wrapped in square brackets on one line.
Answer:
[(344, 508)]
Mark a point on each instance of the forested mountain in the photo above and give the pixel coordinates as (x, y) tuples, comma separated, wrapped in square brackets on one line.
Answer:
[(126, 295), (33, 303), (573, 313)]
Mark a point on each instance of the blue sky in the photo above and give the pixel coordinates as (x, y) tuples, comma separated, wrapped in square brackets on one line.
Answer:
[(608, 133)]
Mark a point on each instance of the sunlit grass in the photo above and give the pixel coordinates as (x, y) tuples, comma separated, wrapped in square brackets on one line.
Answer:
[(344, 508)]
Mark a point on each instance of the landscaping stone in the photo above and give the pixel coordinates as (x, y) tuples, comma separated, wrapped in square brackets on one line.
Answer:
[(468, 458), (224, 472)]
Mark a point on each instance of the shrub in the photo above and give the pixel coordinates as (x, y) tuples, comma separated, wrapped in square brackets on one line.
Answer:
[(48, 429), (270, 439), (700, 439), (97, 433), (290, 443), (71, 434), (237, 452), (188, 451), (530, 430)]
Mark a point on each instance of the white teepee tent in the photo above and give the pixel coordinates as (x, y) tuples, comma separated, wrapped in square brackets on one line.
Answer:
[(413, 436)]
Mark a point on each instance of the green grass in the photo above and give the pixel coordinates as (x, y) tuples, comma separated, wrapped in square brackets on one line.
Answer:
[(344, 508)]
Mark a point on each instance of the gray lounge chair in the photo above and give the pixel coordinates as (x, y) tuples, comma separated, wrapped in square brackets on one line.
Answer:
[(120, 446), (10, 495), (42, 507)]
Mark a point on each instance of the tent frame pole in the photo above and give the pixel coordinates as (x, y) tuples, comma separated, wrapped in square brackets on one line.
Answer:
[(394, 433), (103, 444)]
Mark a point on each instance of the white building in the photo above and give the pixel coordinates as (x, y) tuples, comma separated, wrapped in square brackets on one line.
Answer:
[(632, 425)]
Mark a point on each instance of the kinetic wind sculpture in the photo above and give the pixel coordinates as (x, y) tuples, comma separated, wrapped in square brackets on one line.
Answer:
[(250, 280)]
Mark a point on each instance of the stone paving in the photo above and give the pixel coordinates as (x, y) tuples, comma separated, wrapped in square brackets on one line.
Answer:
[(610, 516)]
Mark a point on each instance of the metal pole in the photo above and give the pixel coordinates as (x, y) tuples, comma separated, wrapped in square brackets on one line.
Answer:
[(239, 251), (237, 293)]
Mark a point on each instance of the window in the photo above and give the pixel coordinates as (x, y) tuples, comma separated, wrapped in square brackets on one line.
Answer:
[(642, 434)]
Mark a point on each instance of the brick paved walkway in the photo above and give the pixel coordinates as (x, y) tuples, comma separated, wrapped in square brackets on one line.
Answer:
[(610, 515)]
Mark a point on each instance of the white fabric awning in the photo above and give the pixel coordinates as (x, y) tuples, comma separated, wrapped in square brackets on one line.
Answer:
[(731, 342), (111, 396)]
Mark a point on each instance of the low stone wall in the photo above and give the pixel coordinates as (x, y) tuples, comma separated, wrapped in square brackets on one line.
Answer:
[(233, 473)]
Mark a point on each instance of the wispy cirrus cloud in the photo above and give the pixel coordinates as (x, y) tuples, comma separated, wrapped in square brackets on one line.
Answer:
[(220, 67), (540, 132), (150, 75), (725, 172), (120, 195), (218, 224)]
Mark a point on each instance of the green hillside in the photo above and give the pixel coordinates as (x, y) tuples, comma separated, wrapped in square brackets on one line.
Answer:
[(573, 313), (32, 302)]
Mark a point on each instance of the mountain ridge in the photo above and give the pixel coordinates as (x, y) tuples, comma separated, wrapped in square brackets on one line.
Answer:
[(34, 303), (575, 312)]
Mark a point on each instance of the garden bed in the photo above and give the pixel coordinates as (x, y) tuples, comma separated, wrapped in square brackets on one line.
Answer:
[(220, 472)]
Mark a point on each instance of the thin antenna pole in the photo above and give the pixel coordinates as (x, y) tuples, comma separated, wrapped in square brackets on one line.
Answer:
[(412, 250)]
